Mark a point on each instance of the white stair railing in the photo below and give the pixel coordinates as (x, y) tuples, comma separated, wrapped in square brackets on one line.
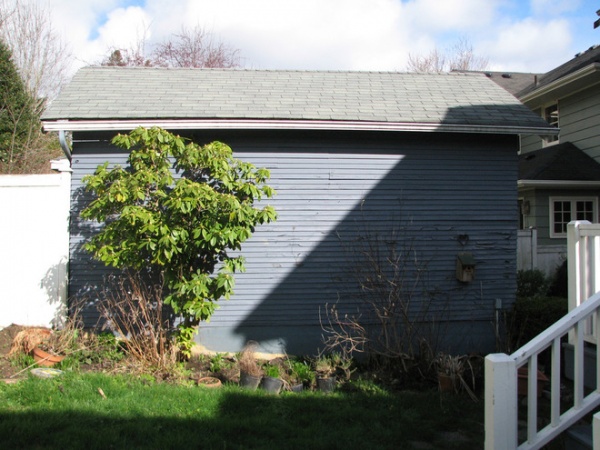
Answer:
[(583, 250), (580, 324)]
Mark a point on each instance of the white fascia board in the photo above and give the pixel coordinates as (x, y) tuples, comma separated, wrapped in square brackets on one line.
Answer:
[(236, 124), (563, 184), (561, 82)]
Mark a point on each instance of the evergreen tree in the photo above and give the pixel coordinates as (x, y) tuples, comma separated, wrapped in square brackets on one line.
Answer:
[(19, 114)]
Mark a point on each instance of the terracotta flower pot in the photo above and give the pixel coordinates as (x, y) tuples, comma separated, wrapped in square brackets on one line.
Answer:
[(209, 382), (45, 359), (522, 385)]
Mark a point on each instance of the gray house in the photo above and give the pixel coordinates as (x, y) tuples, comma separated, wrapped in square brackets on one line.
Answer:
[(419, 164), (559, 175)]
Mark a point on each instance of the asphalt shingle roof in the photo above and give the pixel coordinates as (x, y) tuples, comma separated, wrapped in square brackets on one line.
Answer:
[(560, 162), (581, 60), (513, 82), (114, 93)]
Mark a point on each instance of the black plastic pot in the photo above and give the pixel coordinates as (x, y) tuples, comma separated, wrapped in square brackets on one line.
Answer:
[(248, 381), (271, 385), (326, 384)]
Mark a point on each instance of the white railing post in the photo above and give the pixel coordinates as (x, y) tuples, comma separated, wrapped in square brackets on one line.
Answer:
[(596, 431), (500, 402), (574, 267)]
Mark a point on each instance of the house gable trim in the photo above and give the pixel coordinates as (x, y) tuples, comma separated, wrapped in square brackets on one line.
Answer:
[(578, 80), (565, 184), (237, 124)]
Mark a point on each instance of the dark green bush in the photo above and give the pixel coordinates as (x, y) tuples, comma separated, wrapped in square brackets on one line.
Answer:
[(559, 284), (531, 283), (532, 315)]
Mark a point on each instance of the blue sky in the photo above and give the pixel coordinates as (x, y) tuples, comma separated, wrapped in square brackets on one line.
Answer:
[(515, 35)]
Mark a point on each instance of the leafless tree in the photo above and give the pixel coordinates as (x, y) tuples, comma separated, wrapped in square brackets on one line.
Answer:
[(39, 53), (195, 48), (459, 57), (132, 57), (189, 48)]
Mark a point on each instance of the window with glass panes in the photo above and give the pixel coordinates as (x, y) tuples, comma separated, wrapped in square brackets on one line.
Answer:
[(564, 210)]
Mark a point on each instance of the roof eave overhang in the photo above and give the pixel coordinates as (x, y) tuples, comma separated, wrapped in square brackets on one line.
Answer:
[(562, 184), (247, 124), (568, 84)]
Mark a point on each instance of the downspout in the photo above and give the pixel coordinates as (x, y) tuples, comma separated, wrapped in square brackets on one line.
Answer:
[(63, 144)]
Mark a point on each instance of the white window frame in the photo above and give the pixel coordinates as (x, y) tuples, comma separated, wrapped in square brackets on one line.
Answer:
[(573, 201), (553, 120)]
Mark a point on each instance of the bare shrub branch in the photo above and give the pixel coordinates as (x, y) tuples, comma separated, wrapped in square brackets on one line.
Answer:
[(135, 312), (459, 57), (247, 360), (394, 319)]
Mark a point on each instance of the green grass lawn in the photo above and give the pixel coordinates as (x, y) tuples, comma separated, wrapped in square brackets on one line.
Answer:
[(69, 413)]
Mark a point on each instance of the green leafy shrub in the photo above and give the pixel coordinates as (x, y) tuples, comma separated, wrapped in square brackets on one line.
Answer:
[(302, 372), (272, 371), (178, 228)]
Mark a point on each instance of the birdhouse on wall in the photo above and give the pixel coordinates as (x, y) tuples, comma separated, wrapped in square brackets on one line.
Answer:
[(465, 267)]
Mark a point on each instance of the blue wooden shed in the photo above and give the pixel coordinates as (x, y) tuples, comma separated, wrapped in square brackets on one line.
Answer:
[(419, 165)]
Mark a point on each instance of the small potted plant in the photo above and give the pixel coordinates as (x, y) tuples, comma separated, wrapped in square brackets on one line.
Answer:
[(301, 376), (272, 382), (451, 372), (325, 369), (250, 371)]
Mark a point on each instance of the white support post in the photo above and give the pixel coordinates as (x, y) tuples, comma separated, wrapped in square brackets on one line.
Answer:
[(596, 431), (501, 402)]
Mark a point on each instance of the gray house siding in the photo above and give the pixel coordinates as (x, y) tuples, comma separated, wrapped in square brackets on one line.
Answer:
[(580, 121), (530, 144), (334, 190)]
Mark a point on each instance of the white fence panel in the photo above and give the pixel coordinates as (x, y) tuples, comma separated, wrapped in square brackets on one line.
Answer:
[(34, 248), (527, 250)]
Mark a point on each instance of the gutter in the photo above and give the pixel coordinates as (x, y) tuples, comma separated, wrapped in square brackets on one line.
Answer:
[(557, 184), (63, 144), (246, 124)]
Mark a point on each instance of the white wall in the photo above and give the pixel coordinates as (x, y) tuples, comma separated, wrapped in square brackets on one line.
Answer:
[(34, 248)]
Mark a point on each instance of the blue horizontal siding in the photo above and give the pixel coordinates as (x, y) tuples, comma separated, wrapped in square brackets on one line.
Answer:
[(331, 187)]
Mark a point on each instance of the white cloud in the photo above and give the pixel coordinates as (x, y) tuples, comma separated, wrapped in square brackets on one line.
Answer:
[(124, 28), (76, 22), (530, 45), (435, 16), (554, 7), (313, 33), (334, 34)]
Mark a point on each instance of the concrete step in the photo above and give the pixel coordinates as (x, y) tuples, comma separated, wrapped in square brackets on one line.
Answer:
[(579, 437)]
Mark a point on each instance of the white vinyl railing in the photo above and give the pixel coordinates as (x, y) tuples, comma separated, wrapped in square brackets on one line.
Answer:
[(583, 250), (580, 324)]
